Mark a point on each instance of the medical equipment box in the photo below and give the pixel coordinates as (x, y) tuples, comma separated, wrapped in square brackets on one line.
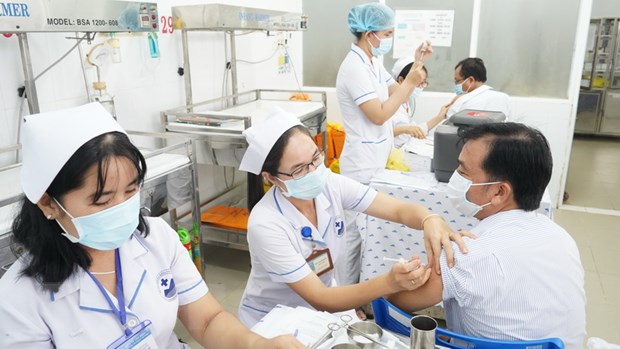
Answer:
[(448, 146), (78, 16)]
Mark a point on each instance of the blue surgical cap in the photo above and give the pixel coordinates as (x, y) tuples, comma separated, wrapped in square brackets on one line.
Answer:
[(370, 17)]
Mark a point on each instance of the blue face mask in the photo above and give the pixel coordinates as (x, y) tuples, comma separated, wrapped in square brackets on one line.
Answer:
[(307, 187), (385, 45), (458, 88), (107, 229)]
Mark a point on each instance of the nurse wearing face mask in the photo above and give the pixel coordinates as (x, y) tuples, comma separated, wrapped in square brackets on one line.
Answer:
[(296, 231), (368, 97), (403, 123), (93, 272), (367, 93)]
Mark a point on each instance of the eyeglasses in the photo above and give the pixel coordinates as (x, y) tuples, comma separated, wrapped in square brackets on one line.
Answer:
[(304, 169), (423, 84), (458, 82)]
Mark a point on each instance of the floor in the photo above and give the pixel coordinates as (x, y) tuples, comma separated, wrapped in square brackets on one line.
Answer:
[(594, 173), (593, 181)]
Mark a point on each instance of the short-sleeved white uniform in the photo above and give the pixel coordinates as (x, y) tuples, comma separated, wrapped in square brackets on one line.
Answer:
[(278, 250), (482, 98), (367, 146), (158, 277), (403, 118)]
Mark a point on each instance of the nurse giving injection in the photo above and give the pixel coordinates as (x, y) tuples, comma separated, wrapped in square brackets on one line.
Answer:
[(296, 230)]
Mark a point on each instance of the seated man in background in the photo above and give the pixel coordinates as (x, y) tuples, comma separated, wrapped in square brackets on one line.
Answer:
[(470, 76), (522, 278)]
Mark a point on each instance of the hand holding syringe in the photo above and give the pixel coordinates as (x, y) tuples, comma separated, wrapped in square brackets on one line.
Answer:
[(407, 275), (400, 260), (423, 52)]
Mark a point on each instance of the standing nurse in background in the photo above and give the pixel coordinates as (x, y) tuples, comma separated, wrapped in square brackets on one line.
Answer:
[(368, 98)]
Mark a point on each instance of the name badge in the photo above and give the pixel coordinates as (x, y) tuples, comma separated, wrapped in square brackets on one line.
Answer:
[(320, 261), (140, 337)]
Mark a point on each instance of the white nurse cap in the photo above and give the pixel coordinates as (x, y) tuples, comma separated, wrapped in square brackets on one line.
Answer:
[(261, 138), (50, 139), (400, 65)]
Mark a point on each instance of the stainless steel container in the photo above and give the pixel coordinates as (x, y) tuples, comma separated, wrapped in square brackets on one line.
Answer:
[(423, 332), (345, 346), (371, 329)]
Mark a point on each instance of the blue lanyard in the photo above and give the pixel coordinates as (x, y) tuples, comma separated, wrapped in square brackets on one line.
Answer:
[(120, 312)]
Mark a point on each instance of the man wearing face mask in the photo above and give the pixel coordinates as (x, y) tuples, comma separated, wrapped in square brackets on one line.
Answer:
[(522, 278), (470, 76), (368, 97)]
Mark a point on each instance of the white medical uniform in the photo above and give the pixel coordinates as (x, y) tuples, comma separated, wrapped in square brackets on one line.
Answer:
[(403, 118), (367, 146), (278, 250), (158, 277), (482, 98)]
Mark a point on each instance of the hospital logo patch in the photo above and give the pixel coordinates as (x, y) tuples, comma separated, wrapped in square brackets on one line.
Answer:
[(339, 226), (165, 284)]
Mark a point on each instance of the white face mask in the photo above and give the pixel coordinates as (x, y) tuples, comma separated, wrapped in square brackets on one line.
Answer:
[(108, 229), (307, 187), (458, 186)]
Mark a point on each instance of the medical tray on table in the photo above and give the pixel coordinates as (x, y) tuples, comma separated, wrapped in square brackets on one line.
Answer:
[(218, 124)]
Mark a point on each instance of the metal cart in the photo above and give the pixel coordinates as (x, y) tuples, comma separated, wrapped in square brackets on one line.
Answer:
[(218, 129)]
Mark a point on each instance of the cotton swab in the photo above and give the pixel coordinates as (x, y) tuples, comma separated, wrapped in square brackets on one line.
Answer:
[(396, 260)]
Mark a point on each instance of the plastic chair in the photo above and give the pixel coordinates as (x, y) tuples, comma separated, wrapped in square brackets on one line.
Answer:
[(466, 342), (391, 318)]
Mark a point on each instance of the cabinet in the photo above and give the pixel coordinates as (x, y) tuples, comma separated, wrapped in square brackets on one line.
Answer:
[(610, 117), (599, 69), (598, 109), (588, 109)]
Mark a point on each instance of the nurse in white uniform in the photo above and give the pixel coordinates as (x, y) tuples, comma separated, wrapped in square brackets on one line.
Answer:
[(296, 231), (94, 273), (367, 93), (368, 98)]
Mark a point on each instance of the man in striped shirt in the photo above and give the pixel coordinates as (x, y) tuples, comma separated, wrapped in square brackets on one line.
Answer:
[(522, 278)]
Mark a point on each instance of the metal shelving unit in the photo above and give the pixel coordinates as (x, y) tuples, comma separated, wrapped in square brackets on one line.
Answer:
[(217, 125), (598, 110)]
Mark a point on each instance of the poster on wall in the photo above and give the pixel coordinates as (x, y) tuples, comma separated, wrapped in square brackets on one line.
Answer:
[(414, 26)]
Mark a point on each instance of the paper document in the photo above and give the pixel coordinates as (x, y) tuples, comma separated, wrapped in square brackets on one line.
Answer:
[(424, 147), (309, 325), (418, 180)]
